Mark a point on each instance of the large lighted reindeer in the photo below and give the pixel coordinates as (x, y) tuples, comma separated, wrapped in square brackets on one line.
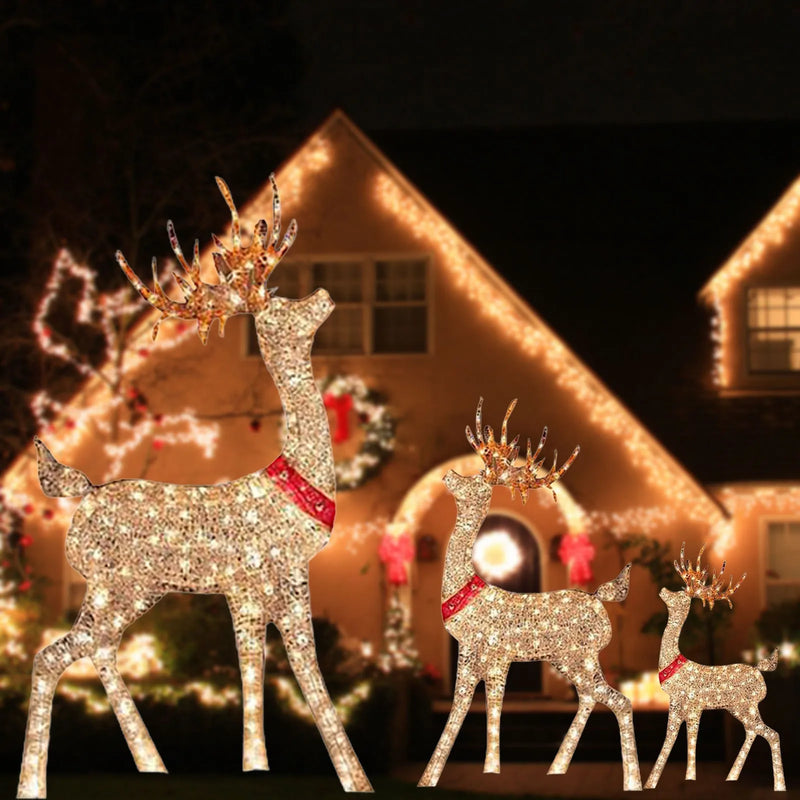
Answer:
[(692, 687), (495, 627), (250, 539)]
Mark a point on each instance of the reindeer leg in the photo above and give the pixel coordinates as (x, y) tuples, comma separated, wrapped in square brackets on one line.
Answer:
[(774, 741), (692, 726), (466, 679), (736, 768), (754, 726), (298, 638), (568, 744), (48, 666), (106, 634), (250, 626), (495, 688), (674, 721), (593, 681)]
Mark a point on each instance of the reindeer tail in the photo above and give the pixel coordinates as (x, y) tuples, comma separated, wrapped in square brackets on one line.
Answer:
[(56, 479), (768, 664), (617, 590)]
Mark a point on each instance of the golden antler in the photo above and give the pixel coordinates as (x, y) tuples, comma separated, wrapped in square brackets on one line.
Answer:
[(695, 580), (243, 272), (499, 457), (525, 478)]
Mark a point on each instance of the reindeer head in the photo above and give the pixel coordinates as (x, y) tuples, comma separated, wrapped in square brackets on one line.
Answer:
[(242, 288), (696, 580), (499, 457)]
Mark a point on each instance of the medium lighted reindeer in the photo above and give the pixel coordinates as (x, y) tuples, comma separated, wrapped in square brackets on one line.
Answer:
[(495, 627), (692, 687), (250, 539)]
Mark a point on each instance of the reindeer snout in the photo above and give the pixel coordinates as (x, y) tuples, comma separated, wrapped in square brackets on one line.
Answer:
[(323, 302)]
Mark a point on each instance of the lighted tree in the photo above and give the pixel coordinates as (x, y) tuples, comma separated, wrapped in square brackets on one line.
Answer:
[(116, 412), (92, 335)]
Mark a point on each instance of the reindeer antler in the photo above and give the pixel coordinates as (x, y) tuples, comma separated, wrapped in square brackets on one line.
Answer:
[(243, 272), (695, 580), (499, 457)]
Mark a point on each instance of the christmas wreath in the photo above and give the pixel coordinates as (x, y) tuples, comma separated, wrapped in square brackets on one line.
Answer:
[(344, 393)]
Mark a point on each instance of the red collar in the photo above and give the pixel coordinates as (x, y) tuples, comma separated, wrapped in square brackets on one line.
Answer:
[(671, 668), (302, 493), (462, 597)]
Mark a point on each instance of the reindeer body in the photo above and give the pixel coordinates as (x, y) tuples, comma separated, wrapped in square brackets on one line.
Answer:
[(196, 543), (693, 687), (532, 626), (495, 627), (249, 539)]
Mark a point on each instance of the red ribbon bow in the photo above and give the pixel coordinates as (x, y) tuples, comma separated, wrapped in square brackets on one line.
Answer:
[(341, 404), (577, 552), (396, 552)]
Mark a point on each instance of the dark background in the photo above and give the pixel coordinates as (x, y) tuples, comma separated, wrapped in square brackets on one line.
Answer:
[(605, 158)]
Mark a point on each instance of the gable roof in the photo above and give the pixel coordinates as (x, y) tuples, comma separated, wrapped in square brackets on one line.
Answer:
[(474, 276), (750, 256), (495, 298)]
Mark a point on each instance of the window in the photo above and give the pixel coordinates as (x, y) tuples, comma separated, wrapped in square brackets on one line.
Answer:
[(381, 303), (783, 561), (773, 329), (343, 331), (400, 311)]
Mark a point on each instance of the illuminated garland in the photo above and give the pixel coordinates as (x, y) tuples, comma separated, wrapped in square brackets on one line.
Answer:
[(211, 696), (378, 426)]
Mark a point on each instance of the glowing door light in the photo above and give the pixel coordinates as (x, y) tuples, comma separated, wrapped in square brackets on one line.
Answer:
[(496, 555)]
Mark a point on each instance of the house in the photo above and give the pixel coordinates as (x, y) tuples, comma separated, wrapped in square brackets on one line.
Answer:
[(423, 321), (754, 299)]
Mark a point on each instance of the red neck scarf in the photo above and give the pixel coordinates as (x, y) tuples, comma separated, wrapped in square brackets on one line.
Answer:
[(303, 494)]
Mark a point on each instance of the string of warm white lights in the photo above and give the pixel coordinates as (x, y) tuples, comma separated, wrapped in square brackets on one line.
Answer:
[(533, 339), (770, 234), (750, 255), (211, 695)]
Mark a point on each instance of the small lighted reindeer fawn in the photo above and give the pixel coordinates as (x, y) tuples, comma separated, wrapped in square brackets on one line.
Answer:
[(249, 539), (692, 687), (495, 627)]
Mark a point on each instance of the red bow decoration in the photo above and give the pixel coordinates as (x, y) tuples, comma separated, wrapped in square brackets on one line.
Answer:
[(396, 553), (577, 552), (341, 404)]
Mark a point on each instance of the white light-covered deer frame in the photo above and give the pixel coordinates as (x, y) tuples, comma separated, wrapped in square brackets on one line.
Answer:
[(693, 687), (495, 627), (250, 539)]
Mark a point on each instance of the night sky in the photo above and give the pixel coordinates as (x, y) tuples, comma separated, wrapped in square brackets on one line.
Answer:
[(605, 158)]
